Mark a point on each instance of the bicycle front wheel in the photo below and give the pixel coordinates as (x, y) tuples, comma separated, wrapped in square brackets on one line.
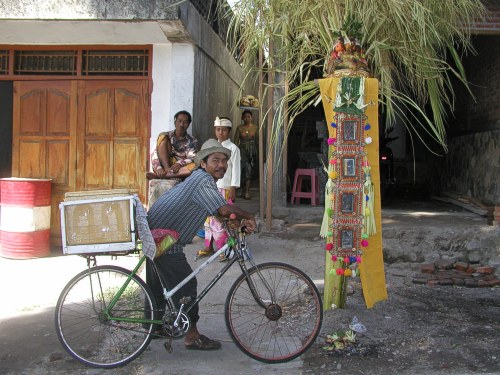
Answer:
[(280, 318), (83, 324)]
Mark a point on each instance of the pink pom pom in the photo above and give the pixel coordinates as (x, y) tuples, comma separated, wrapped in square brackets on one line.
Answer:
[(334, 258), (331, 141), (329, 246), (364, 243), (358, 259), (333, 161), (346, 260), (340, 271)]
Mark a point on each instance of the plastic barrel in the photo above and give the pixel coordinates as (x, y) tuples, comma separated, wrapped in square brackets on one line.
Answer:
[(25, 217)]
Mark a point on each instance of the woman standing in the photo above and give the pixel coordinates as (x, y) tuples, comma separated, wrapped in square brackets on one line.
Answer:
[(247, 139)]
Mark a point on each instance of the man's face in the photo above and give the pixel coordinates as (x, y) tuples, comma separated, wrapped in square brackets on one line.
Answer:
[(216, 165), (222, 133), (182, 124)]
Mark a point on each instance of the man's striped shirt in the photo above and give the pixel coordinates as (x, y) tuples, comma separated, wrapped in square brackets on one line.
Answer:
[(185, 207)]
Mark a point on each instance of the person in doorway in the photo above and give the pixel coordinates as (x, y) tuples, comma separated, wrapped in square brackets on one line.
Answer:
[(215, 233), (175, 150), (247, 139), (184, 208)]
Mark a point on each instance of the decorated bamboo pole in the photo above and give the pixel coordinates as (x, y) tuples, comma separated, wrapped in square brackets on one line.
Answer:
[(351, 222)]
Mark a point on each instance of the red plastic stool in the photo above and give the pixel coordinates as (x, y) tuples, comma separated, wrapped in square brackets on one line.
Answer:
[(297, 192)]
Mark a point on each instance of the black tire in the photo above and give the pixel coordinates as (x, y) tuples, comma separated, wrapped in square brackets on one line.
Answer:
[(87, 334), (278, 332)]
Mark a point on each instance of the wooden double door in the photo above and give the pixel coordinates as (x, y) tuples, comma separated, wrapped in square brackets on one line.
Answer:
[(84, 135)]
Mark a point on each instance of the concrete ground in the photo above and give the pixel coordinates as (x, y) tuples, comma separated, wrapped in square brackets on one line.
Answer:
[(30, 288)]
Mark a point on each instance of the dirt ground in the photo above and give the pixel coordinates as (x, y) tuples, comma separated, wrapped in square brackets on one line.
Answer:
[(418, 330)]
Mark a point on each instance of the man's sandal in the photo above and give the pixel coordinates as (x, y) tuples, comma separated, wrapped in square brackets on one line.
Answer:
[(204, 343), (204, 253)]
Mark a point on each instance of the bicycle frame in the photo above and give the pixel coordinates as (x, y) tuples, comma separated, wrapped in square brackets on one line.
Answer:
[(168, 294)]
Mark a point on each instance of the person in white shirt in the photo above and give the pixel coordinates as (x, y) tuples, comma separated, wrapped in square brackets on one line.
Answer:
[(215, 234)]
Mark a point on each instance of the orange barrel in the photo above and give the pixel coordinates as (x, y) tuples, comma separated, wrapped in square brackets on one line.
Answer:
[(25, 217)]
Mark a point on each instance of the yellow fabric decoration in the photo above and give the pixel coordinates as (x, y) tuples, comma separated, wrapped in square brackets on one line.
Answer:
[(371, 269)]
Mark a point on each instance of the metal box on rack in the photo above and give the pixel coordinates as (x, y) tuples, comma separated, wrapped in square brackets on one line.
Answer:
[(99, 221)]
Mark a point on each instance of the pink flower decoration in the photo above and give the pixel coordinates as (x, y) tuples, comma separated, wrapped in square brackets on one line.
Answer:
[(333, 161), (346, 260), (331, 141), (358, 259), (364, 243), (334, 258), (329, 246)]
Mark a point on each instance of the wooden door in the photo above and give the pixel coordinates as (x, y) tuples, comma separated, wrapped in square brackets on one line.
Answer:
[(112, 135), (44, 123), (84, 135)]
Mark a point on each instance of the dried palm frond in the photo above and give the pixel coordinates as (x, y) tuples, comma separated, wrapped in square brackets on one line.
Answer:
[(412, 49)]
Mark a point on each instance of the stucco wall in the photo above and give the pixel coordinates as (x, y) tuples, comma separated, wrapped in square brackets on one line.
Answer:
[(89, 9)]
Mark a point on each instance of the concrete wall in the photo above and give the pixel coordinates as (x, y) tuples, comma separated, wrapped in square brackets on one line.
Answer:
[(89, 9), (472, 165), (217, 76)]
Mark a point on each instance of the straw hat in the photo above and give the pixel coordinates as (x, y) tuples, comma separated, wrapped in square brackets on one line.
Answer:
[(210, 147)]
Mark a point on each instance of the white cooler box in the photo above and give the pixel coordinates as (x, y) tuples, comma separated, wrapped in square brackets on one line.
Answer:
[(99, 221)]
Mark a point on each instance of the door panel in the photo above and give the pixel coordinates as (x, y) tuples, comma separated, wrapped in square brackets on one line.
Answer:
[(58, 117), (97, 165), (32, 162), (57, 165), (113, 123), (44, 146)]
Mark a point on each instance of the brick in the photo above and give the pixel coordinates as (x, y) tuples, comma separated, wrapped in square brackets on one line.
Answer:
[(427, 268), (488, 283), (444, 275), (471, 283), (461, 266), (444, 264), (458, 282), (470, 269), (433, 282), (446, 282), (485, 269), (462, 274)]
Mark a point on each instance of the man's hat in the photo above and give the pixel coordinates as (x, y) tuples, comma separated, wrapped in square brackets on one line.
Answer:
[(210, 147)]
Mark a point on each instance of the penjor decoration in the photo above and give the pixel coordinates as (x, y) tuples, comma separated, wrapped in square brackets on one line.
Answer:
[(349, 219)]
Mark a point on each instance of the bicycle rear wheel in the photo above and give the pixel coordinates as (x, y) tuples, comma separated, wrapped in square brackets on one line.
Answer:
[(283, 327), (85, 331)]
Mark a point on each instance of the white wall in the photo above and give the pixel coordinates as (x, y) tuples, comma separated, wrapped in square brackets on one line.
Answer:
[(182, 85), (173, 82)]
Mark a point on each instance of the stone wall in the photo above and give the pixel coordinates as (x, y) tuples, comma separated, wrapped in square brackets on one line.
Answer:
[(472, 166)]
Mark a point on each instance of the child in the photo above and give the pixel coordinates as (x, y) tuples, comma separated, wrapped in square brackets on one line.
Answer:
[(215, 235)]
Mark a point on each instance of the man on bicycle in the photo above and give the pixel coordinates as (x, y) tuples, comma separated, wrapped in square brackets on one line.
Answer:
[(184, 209)]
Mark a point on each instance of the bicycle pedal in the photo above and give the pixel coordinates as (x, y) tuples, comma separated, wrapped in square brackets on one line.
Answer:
[(168, 346), (185, 300)]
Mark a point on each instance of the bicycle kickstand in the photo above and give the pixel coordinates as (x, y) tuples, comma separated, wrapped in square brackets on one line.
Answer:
[(168, 345)]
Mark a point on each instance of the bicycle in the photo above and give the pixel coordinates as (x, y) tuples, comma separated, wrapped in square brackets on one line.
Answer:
[(105, 315)]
